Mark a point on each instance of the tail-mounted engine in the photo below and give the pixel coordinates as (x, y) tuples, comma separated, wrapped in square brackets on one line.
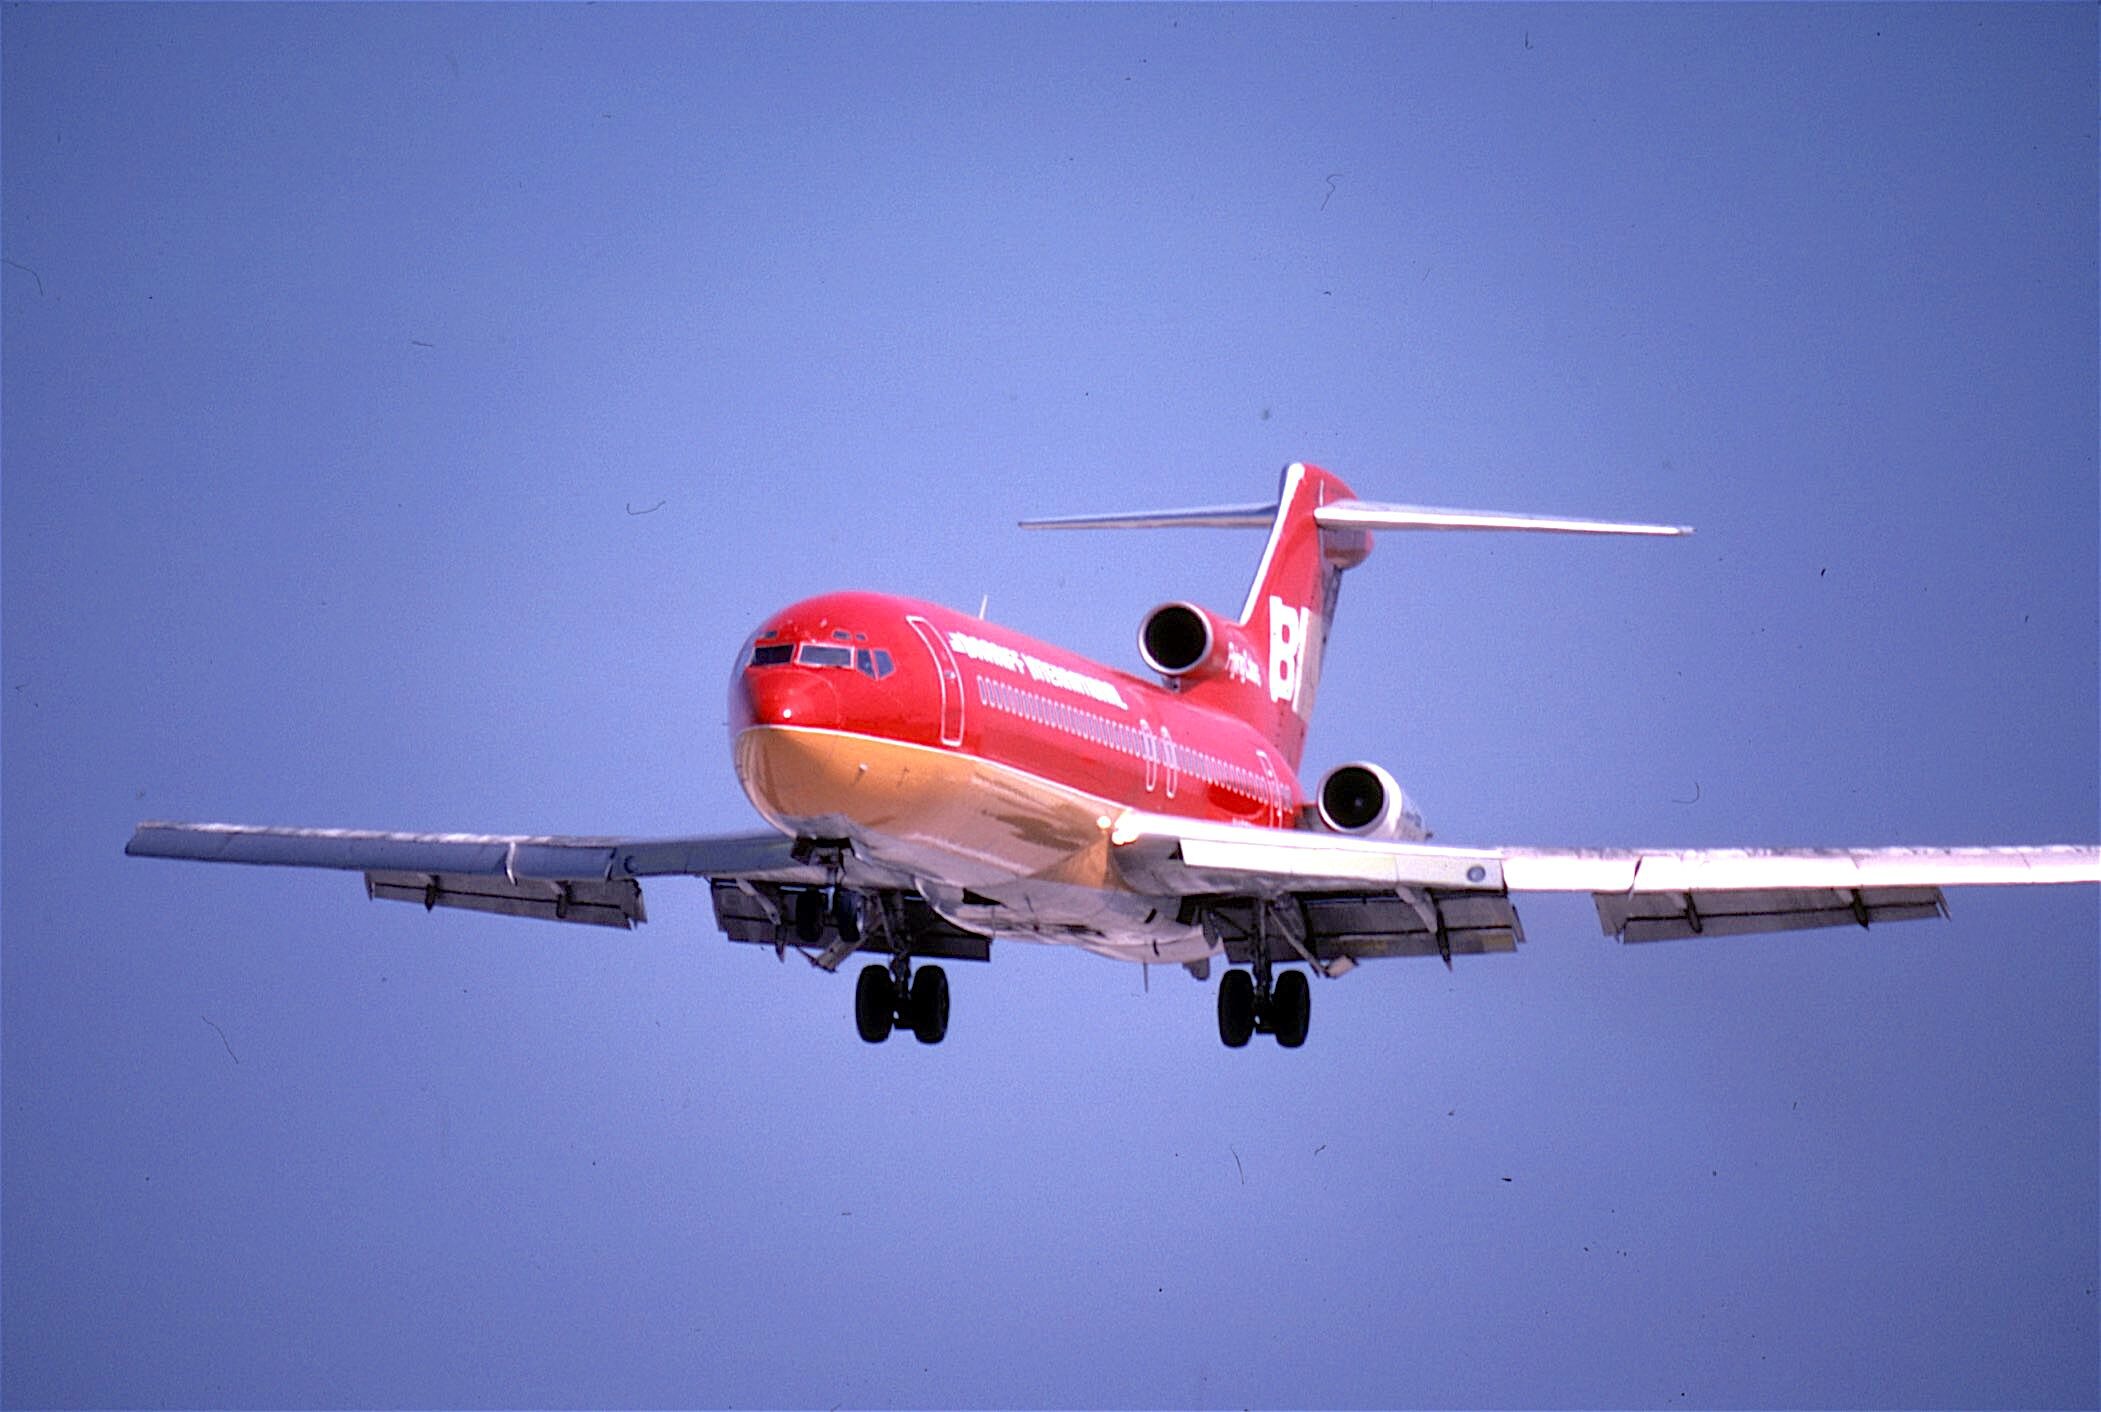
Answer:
[(1363, 799), (1182, 642)]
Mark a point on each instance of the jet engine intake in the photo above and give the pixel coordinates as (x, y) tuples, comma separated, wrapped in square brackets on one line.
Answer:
[(1176, 639), (1363, 799)]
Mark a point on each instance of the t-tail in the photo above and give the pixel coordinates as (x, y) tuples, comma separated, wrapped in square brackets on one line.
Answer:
[(1265, 666)]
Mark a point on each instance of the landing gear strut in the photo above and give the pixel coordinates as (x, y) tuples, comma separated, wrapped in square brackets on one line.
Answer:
[(1247, 1008), (892, 995), (1258, 1001), (888, 997)]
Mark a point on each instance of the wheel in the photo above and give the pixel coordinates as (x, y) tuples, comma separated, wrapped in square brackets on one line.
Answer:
[(846, 915), (809, 915), (1290, 1007), (875, 1002), (1236, 1008), (929, 1005)]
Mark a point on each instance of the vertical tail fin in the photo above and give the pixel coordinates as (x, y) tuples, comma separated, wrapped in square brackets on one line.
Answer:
[(1291, 602), (1282, 633)]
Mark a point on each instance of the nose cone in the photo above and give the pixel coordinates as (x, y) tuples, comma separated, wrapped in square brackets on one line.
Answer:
[(787, 747), (783, 696)]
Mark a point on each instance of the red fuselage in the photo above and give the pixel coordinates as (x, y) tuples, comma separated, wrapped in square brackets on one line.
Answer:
[(954, 749), (960, 684)]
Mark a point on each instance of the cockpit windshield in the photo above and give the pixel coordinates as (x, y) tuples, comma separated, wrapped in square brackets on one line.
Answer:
[(869, 662)]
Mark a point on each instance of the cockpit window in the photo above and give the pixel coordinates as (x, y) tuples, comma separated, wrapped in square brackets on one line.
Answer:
[(868, 662), (822, 654)]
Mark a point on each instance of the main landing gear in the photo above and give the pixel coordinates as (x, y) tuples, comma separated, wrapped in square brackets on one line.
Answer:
[(892, 995), (1248, 1005)]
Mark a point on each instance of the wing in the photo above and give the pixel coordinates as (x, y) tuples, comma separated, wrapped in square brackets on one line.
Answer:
[(766, 888), (591, 880), (1363, 897)]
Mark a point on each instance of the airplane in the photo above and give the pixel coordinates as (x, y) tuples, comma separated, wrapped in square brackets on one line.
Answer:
[(934, 782)]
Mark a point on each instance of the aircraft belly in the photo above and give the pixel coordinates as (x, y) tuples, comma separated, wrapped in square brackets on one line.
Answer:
[(948, 815), (995, 849), (1119, 925)]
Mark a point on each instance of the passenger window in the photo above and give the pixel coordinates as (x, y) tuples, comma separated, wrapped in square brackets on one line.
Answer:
[(818, 654), (772, 654)]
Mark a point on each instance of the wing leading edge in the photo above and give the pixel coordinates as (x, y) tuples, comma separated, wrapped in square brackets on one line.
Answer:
[(1402, 893)]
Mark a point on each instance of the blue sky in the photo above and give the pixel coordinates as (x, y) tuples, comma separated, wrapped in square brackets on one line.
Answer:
[(409, 409)]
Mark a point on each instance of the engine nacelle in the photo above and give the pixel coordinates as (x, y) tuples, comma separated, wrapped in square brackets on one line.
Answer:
[(1181, 640), (1176, 639), (1363, 799)]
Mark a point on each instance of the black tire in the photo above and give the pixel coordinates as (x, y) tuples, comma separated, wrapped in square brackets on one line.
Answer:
[(846, 916), (929, 1005), (1291, 1008), (1236, 1008), (809, 916), (875, 1004)]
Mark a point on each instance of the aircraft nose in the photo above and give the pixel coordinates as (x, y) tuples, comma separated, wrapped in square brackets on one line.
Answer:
[(784, 696)]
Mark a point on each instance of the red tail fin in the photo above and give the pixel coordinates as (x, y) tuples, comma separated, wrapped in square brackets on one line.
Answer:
[(1292, 601)]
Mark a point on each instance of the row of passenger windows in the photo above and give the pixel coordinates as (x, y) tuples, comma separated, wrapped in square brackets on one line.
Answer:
[(871, 662), (1116, 735)]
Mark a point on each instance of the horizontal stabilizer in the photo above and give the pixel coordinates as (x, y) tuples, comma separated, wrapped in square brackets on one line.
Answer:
[(1348, 514), (1207, 517), (1366, 514)]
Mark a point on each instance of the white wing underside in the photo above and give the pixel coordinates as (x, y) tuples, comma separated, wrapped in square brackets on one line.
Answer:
[(591, 880), (1640, 894), (1348, 898)]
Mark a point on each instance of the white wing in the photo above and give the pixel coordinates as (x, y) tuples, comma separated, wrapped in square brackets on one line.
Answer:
[(1364, 897), (765, 887), (520, 875)]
